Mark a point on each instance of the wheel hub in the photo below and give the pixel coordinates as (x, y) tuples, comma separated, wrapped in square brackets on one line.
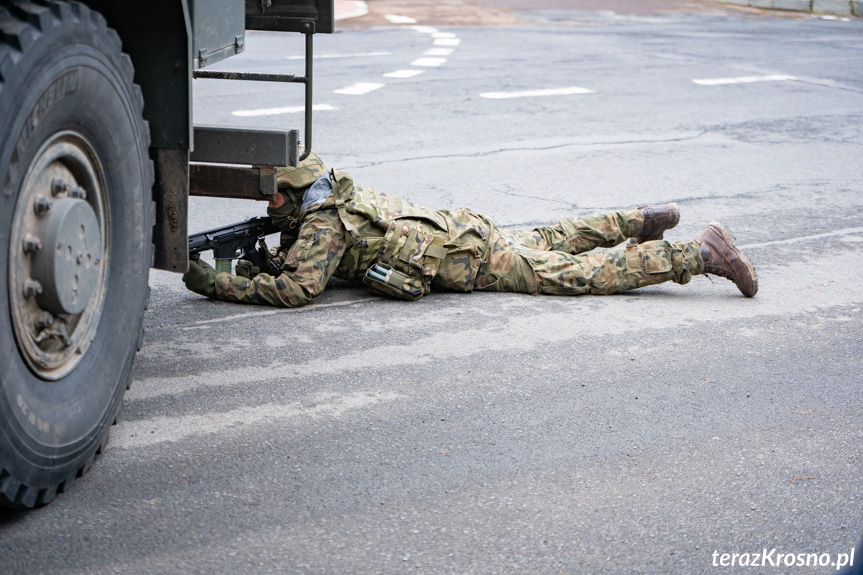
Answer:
[(57, 255), (68, 273)]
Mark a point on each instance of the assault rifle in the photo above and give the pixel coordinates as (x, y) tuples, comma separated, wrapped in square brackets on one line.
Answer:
[(235, 241)]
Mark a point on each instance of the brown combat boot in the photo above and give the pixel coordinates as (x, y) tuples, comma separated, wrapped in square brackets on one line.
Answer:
[(721, 258), (657, 219)]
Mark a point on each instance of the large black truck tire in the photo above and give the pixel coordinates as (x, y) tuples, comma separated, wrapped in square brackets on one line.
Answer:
[(75, 242)]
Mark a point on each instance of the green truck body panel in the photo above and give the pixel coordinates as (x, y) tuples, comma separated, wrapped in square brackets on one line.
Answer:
[(168, 40)]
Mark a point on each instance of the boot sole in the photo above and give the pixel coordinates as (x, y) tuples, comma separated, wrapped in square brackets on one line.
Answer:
[(674, 221), (729, 239)]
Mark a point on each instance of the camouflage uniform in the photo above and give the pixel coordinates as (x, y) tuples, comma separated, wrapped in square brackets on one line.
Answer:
[(353, 228)]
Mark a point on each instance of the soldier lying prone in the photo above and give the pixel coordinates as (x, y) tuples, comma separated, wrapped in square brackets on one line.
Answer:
[(333, 227)]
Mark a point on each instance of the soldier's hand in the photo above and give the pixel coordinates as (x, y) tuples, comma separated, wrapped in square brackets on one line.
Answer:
[(201, 278), (247, 269)]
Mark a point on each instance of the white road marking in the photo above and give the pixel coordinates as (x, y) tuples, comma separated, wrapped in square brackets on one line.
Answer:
[(743, 80), (161, 429), (359, 88), (842, 232), (536, 93), (395, 19), (352, 55), (403, 73), (277, 111), (428, 62), (438, 52), (432, 58)]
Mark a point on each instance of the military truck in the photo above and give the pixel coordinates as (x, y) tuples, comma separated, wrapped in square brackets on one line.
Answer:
[(98, 156)]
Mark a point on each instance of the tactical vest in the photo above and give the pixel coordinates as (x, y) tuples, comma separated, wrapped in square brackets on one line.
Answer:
[(410, 257)]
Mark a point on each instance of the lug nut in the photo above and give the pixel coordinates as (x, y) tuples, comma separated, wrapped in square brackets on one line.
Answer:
[(32, 288), (58, 186), (78, 193), (41, 206), (44, 319), (32, 244)]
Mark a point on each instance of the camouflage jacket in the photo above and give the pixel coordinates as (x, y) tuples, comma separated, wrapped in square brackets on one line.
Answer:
[(352, 230)]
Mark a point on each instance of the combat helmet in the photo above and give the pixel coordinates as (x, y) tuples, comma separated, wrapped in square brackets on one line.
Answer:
[(292, 183)]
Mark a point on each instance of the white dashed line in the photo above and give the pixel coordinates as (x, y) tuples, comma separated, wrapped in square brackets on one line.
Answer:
[(359, 88), (438, 52), (536, 93), (432, 57), (743, 80), (395, 19), (403, 73), (428, 62), (354, 55), (278, 111)]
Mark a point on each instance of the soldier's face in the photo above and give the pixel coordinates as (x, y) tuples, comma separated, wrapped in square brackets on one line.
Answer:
[(278, 200)]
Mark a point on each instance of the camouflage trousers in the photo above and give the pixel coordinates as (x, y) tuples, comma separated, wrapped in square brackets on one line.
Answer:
[(553, 259)]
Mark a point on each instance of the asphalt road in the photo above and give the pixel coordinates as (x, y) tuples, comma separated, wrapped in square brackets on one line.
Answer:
[(651, 432)]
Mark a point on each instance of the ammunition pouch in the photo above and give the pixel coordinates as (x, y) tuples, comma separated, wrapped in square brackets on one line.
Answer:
[(407, 263), (384, 280)]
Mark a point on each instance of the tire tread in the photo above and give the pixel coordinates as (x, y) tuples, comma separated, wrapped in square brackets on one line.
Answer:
[(35, 15), (19, 35), (5, 63), (20, 26)]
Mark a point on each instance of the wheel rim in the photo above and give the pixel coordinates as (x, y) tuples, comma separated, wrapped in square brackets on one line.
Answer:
[(58, 255)]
